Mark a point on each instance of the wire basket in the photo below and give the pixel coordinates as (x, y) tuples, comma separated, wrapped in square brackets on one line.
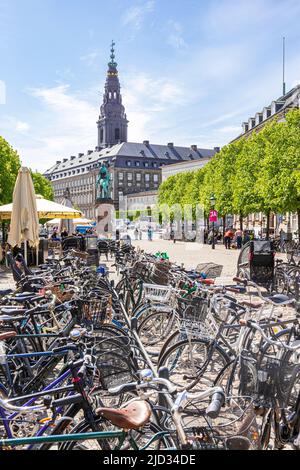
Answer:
[(80, 254), (59, 290), (140, 269), (212, 270), (274, 380), (114, 361), (157, 293), (193, 318), (97, 312)]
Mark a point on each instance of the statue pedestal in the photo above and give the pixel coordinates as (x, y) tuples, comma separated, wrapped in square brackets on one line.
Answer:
[(105, 217)]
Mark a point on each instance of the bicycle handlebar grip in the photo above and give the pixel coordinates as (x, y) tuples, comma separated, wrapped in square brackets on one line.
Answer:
[(82, 371), (217, 401), (240, 280), (67, 347), (70, 400), (122, 388)]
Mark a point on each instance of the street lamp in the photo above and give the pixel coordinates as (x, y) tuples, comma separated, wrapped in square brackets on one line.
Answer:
[(212, 205)]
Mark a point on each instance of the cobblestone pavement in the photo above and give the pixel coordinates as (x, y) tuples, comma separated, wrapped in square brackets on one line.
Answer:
[(192, 254), (6, 279)]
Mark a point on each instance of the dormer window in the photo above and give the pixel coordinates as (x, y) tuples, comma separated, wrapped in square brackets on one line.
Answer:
[(128, 163)]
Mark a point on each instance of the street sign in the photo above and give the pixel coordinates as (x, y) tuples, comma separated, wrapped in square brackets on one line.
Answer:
[(213, 215)]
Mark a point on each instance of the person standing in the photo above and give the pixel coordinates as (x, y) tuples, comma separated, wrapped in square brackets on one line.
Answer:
[(136, 233), (239, 238), (227, 238), (149, 234)]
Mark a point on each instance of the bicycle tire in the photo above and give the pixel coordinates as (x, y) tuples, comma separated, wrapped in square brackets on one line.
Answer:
[(202, 372)]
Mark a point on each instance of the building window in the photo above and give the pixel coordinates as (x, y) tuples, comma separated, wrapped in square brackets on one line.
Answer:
[(155, 178), (137, 163), (129, 176), (154, 164), (128, 163), (115, 95), (109, 95), (146, 164), (138, 176), (117, 134), (121, 176), (147, 177), (129, 185)]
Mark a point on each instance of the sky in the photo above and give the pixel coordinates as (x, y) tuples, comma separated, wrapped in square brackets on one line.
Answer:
[(191, 71)]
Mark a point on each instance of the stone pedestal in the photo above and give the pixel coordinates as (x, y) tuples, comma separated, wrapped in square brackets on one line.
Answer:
[(105, 217)]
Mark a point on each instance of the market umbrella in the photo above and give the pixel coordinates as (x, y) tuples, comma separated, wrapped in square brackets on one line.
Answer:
[(80, 221), (24, 225), (46, 210)]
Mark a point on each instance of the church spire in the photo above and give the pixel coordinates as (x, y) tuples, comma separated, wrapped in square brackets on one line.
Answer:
[(112, 124), (112, 64)]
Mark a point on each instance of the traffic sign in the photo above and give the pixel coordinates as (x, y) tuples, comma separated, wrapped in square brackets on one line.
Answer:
[(213, 215)]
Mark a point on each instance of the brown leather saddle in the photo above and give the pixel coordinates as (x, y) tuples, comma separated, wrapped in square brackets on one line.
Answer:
[(134, 416), (7, 335)]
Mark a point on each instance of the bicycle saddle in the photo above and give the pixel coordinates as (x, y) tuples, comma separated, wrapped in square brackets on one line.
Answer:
[(279, 298), (12, 311), (238, 443), (134, 416), (5, 292), (10, 318), (7, 335)]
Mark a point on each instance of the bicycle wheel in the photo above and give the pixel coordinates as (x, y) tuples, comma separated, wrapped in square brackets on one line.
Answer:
[(141, 438), (155, 329), (194, 362)]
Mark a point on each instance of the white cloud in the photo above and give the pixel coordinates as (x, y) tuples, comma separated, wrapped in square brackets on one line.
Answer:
[(90, 58), (175, 38), (64, 126), (135, 15), (22, 126), (230, 129)]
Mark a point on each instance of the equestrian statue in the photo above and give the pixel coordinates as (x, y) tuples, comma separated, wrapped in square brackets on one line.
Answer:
[(103, 182)]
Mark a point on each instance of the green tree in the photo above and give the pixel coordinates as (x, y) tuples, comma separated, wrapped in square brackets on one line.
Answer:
[(42, 186), (9, 167)]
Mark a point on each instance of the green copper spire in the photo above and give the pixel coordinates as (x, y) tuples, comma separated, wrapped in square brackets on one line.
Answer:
[(112, 63)]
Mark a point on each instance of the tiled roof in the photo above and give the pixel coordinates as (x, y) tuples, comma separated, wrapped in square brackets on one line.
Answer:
[(172, 153)]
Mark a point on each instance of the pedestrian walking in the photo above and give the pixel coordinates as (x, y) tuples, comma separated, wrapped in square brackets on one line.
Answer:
[(227, 238), (140, 234), (149, 234), (136, 233), (172, 235)]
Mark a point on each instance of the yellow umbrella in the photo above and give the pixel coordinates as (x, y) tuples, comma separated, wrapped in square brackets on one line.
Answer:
[(24, 225), (46, 210)]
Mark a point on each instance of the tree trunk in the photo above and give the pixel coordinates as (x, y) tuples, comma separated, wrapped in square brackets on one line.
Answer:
[(241, 221), (268, 225)]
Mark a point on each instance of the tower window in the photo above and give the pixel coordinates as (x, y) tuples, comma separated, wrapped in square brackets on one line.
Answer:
[(115, 95), (101, 135), (117, 134), (109, 95)]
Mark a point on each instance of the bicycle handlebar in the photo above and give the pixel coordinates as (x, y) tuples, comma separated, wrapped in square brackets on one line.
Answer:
[(22, 409), (253, 325)]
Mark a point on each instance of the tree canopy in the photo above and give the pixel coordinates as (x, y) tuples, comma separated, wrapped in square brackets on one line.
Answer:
[(9, 167), (257, 174), (42, 186)]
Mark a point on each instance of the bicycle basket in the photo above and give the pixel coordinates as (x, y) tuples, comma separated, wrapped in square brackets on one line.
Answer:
[(97, 312), (59, 290), (274, 377), (192, 315), (114, 362), (211, 270), (157, 293)]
